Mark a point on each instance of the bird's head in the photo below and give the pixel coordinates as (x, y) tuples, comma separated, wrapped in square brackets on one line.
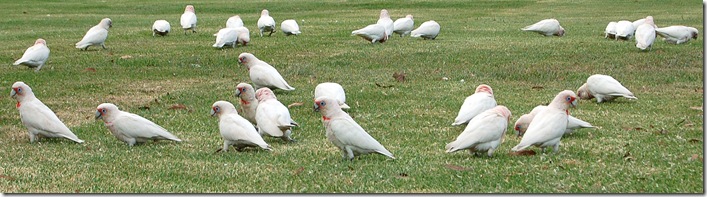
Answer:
[(220, 107), (105, 111), (20, 90)]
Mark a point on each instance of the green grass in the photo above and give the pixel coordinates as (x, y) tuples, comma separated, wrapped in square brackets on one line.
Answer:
[(480, 42)]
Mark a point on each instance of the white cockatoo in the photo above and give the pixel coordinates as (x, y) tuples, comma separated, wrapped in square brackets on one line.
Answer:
[(266, 23), (96, 36), (373, 33), (272, 117), (35, 56), (37, 117), (523, 121), (131, 128), (624, 30), (403, 26), (484, 133), (248, 102), (236, 130), (610, 31), (188, 19), (226, 36), (385, 21), (332, 90), (677, 34), (547, 27), (645, 34), (160, 27), (549, 124), (345, 133), (480, 101), (604, 88), (290, 27), (427, 30), (234, 21), (263, 74), (243, 35)]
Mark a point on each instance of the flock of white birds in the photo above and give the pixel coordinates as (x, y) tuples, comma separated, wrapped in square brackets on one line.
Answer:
[(261, 114)]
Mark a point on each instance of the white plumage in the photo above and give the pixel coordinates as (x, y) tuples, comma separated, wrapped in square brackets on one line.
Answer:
[(96, 36), (547, 27), (35, 56), (263, 74), (385, 21), (373, 33), (638, 22), (290, 27), (37, 117), (266, 23), (404, 26), (484, 133), (624, 30), (604, 88), (480, 101), (427, 30), (677, 34), (523, 121), (236, 130), (248, 102), (345, 133), (188, 19), (234, 21), (332, 90), (272, 117), (610, 31), (549, 124), (131, 128), (226, 36), (160, 27), (645, 34)]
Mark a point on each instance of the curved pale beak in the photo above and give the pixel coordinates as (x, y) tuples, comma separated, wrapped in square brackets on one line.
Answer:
[(574, 102), (213, 112), (99, 115), (238, 92), (316, 107), (13, 93)]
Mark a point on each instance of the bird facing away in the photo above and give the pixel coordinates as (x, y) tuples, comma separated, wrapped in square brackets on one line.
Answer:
[(345, 133), (37, 117), (387, 23), (188, 19), (484, 133), (248, 102), (35, 56), (263, 74), (604, 88), (272, 117), (547, 27), (373, 33), (610, 30), (624, 30), (236, 130), (645, 34), (677, 34), (234, 21), (523, 121), (332, 90), (96, 36), (266, 23), (290, 27), (131, 128), (226, 37), (403, 26), (480, 101), (160, 27), (427, 30), (549, 124)]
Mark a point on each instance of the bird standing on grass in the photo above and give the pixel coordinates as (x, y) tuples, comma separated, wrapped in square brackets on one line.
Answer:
[(236, 130), (96, 36), (549, 125), (37, 117), (131, 128), (35, 56), (188, 19)]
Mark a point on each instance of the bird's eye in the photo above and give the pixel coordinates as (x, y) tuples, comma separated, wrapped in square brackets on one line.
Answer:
[(518, 127), (322, 103), (103, 110), (19, 89), (569, 98), (216, 109)]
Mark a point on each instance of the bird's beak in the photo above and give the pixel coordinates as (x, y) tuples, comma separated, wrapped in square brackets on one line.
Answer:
[(13, 93), (574, 102), (316, 107), (238, 92), (213, 112), (99, 114), (240, 60)]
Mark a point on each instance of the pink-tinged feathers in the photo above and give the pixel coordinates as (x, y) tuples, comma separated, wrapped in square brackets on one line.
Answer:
[(484, 88), (40, 41), (189, 8)]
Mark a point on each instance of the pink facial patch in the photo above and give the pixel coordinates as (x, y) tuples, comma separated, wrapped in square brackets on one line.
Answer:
[(18, 105)]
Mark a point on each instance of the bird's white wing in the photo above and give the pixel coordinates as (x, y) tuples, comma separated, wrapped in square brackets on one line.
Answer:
[(138, 127)]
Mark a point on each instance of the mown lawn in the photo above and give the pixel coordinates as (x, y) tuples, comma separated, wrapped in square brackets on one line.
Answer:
[(650, 145)]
